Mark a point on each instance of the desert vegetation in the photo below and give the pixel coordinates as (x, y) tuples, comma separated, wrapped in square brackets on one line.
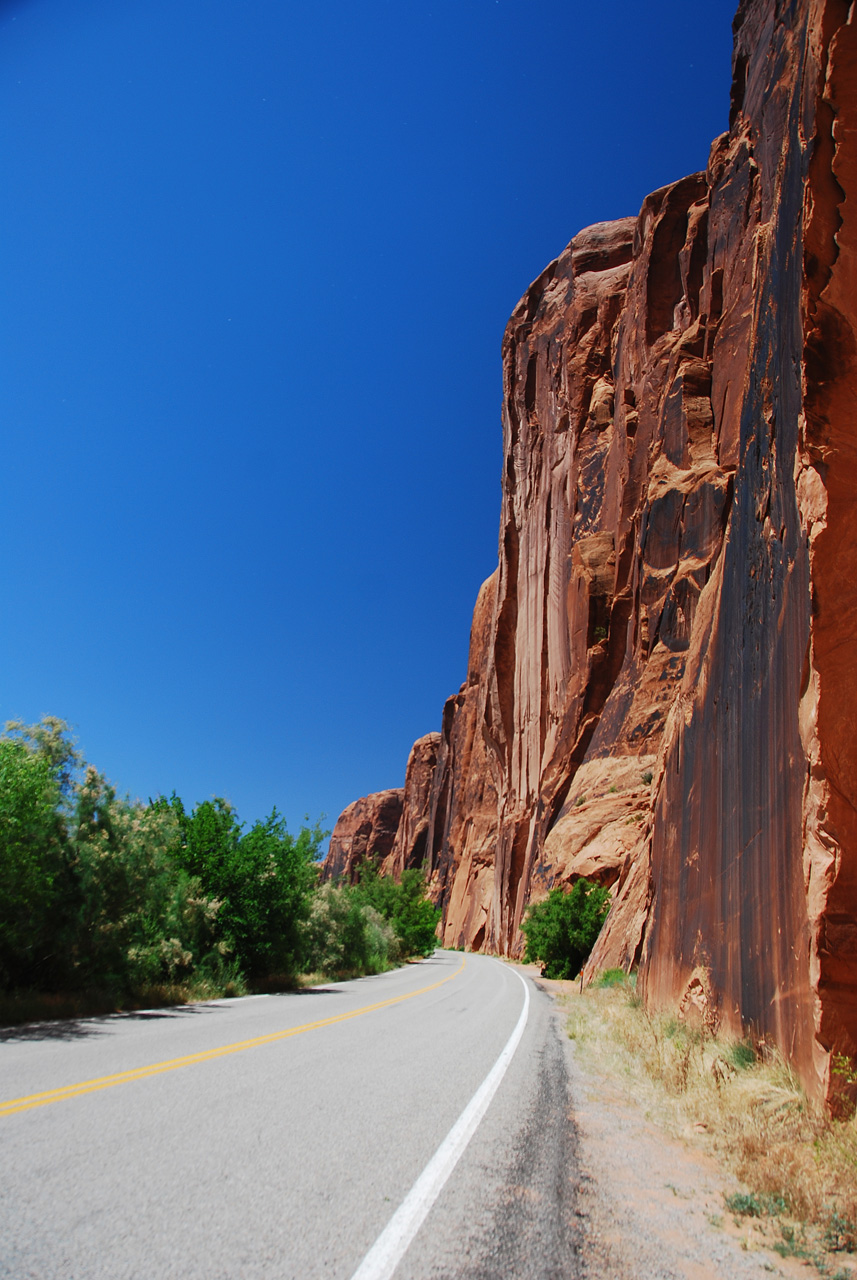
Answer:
[(561, 931), (371, 925), (742, 1103), (107, 902)]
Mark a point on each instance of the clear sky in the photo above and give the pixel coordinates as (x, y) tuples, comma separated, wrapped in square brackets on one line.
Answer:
[(256, 259)]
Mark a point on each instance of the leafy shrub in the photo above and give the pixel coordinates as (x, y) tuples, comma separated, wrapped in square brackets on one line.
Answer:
[(741, 1055), (370, 926), (345, 936), (120, 901), (415, 918), (404, 904), (840, 1233), (32, 863), (561, 931), (844, 1068), (103, 895), (377, 891), (262, 879), (750, 1205), (384, 948), (139, 918), (613, 978)]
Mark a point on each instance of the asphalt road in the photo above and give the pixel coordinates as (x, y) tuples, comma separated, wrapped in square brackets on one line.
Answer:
[(288, 1156)]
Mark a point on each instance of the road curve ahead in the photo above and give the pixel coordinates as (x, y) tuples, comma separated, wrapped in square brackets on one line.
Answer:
[(281, 1136)]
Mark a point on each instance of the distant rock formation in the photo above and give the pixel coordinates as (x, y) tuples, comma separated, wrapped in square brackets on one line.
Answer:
[(662, 684), (365, 829), (410, 846)]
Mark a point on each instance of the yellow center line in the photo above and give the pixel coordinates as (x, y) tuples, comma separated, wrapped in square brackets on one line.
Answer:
[(14, 1105)]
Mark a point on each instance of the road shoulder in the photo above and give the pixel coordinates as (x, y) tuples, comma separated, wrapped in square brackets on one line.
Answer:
[(650, 1206)]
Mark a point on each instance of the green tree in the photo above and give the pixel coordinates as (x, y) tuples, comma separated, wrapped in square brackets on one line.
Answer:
[(404, 903), (267, 896), (33, 868), (262, 879), (141, 918), (103, 893), (415, 918), (377, 891), (561, 931), (209, 837), (51, 741), (338, 940)]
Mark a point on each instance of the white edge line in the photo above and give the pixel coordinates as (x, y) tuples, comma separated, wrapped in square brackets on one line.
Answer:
[(393, 1242)]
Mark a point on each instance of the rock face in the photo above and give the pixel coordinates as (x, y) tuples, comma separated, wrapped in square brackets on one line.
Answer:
[(410, 845), (365, 829), (389, 825), (662, 684), (754, 841)]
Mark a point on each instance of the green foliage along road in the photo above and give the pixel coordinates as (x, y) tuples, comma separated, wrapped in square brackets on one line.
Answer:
[(561, 931), (367, 927), (133, 902), (262, 880)]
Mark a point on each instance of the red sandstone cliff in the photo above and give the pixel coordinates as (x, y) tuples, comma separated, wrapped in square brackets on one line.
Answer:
[(661, 689), (367, 828)]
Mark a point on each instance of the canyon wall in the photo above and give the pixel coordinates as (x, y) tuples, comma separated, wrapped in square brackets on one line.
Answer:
[(367, 828), (662, 684)]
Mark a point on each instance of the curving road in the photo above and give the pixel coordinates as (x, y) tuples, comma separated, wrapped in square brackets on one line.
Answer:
[(277, 1136)]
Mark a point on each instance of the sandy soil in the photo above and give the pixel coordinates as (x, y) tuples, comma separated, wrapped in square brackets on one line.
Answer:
[(652, 1207)]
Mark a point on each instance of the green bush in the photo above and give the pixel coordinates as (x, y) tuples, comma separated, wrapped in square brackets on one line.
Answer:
[(405, 904), (139, 919), (750, 1205), (91, 896), (103, 895), (345, 936), (370, 926), (33, 864), (614, 978), (742, 1055), (120, 901), (262, 879), (416, 917), (561, 931)]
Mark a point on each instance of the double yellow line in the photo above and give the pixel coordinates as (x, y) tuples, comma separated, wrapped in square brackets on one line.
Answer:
[(14, 1105)]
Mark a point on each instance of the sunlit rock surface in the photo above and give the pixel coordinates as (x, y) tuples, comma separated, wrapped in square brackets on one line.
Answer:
[(409, 847), (365, 829), (662, 685)]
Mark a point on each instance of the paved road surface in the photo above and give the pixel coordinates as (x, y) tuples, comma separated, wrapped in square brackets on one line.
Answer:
[(288, 1157)]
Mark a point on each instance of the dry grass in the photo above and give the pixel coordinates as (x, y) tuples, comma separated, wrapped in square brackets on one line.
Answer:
[(744, 1105), (37, 1006)]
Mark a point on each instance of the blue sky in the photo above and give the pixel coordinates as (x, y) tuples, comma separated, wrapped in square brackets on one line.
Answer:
[(256, 260)]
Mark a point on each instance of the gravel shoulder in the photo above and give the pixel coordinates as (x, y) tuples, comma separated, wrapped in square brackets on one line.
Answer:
[(650, 1206)]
